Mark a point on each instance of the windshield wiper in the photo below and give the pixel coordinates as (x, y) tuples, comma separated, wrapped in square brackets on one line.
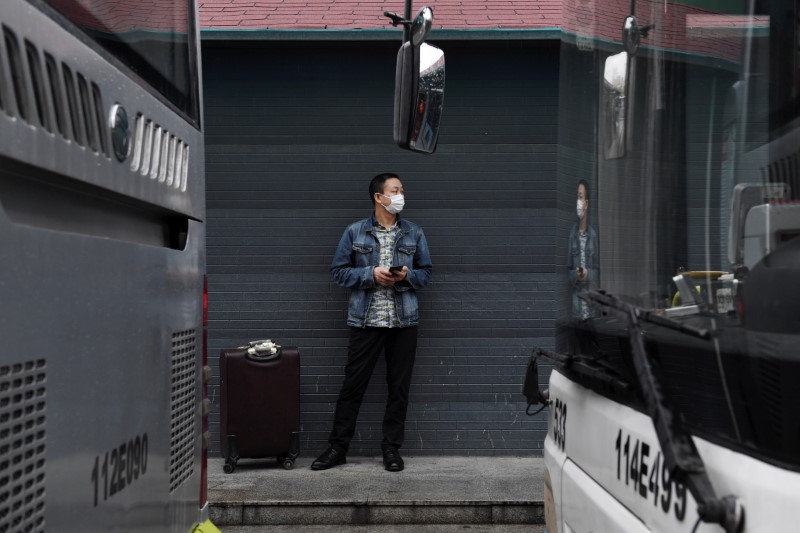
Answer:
[(605, 300), (680, 454)]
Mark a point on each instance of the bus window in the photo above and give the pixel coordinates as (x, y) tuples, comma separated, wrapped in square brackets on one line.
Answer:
[(156, 45)]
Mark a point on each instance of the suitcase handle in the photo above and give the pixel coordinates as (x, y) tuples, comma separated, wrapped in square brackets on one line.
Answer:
[(263, 358)]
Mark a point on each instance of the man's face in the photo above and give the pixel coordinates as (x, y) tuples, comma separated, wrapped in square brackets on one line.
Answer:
[(391, 187), (582, 196)]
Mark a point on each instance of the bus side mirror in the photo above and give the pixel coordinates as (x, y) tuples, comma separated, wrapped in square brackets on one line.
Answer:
[(418, 96), (615, 104), (530, 388)]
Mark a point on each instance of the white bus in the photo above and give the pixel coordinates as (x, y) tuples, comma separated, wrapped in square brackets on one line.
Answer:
[(674, 388), (102, 261)]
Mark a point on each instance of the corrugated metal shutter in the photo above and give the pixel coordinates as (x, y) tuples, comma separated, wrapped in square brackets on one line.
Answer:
[(294, 133)]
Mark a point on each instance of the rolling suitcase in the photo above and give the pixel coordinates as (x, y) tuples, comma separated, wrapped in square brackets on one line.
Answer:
[(260, 403)]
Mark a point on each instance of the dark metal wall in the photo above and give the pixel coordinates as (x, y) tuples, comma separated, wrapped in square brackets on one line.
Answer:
[(294, 133)]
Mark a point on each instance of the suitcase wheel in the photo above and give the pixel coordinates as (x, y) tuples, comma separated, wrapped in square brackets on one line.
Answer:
[(229, 468), (288, 464)]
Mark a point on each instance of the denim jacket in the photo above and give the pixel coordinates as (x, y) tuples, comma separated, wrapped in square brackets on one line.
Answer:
[(358, 254), (574, 261)]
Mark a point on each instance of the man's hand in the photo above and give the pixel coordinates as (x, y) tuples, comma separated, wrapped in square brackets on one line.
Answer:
[(383, 277), (401, 275), (583, 274)]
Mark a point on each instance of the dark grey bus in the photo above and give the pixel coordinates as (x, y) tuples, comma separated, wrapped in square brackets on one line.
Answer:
[(102, 263)]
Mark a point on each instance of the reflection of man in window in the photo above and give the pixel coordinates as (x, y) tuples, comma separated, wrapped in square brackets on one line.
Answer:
[(418, 118), (583, 255)]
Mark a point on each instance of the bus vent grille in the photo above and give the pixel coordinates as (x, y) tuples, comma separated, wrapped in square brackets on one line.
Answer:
[(785, 170), (44, 96), (159, 155), (770, 382), (183, 408), (23, 396)]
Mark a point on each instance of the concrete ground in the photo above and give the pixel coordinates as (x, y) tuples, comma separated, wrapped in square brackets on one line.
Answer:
[(442, 494)]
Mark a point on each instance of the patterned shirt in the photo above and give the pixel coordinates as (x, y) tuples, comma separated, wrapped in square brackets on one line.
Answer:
[(382, 313)]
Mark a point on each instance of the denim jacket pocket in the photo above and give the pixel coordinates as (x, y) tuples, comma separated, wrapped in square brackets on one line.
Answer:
[(406, 254), (590, 253), (361, 254)]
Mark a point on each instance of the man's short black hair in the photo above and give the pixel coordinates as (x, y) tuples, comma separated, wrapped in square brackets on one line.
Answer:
[(377, 183), (585, 187)]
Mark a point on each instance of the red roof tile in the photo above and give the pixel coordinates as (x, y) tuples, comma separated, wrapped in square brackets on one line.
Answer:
[(682, 27), (368, 14)]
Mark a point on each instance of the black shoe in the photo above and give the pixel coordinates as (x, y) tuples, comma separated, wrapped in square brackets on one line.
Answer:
[(392, 460), (329, 459)]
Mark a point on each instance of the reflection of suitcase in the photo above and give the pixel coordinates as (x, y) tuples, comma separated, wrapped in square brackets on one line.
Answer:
[(260, 405)]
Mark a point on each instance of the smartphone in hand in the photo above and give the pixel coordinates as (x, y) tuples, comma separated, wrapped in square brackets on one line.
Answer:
[(395, 269)]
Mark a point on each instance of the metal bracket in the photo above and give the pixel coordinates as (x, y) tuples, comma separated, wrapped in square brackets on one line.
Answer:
[(397, 20)]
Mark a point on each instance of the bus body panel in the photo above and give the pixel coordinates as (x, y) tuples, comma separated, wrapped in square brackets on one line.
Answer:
[(587, 507), (554, 460), (100, 303), (617, 449)]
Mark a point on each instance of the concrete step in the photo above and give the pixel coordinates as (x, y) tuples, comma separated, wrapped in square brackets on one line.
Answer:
[(410, 528), (431, 490)]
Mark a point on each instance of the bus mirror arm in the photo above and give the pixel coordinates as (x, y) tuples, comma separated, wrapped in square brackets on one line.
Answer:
[(588, 369), (533, 394), (726, 511), (397, 19), (680, 454)]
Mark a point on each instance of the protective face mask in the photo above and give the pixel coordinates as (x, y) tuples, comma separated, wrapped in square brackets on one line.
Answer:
[(398, 201), (581, 209)]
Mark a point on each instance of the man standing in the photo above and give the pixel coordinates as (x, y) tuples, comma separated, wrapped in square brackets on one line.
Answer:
[(583, 257), (383, 260), (583, 267)]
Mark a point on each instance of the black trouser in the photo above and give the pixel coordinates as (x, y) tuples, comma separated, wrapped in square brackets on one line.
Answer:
[(400, 347)]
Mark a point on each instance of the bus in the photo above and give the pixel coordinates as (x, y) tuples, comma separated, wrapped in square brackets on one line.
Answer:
[(673, 383), (102, 243)]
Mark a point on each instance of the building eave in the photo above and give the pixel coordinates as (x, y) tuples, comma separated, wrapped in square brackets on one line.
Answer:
[(482, 34)]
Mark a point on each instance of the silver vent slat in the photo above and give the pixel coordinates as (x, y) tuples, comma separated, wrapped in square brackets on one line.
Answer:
[(147, 148), (97, 100), (185, 168), (138, 135), (183, 408), (86, 108), (176, 150), (18, 84), (162, 168), (72, 104), (157, 136), (176, 178), (171, 160), (37, 83), (159, 154), (56, 94), (23, 402)]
